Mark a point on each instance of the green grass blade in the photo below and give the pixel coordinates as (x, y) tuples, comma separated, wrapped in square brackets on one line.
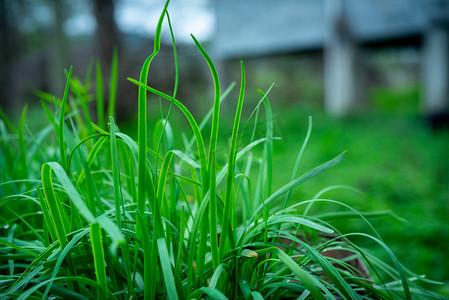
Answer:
[(399, 267), (167, 269), (163, 128), (298, 160), (21, 249), (22, 152), (330, 270), (67, 184), (161, 194), (229, 200), (106, 224), (46, 214), (99, 260), (208, 115), (312, 173), (216, 107), (214, 293), (213, 214), (205, 184), (69, 294), (166, 124), (149, 275), (7, 121), (61, 257), (192, 122), (100, 96), (269, 144), (309, 281), (142, 120), (56, 214), (113, 84), (62, 145), (50, 117), (118, 200)]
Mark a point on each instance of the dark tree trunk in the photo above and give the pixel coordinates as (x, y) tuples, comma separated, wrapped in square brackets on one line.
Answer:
[(58, 53), (107, 35), (8, 50)]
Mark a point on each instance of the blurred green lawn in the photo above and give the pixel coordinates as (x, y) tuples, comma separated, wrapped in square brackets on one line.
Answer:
[(393, 157), (395, 160)]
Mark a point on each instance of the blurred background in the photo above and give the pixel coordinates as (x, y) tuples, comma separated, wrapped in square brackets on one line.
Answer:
[(374, 75)]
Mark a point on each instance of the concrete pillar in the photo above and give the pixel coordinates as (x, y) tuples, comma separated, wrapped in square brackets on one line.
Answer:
[(341, 62), (435, 69)]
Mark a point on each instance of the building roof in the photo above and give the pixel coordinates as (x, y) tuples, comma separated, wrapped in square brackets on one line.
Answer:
[(261, 27)]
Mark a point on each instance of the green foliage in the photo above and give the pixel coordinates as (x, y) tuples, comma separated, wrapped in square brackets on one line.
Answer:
[(77, 226)]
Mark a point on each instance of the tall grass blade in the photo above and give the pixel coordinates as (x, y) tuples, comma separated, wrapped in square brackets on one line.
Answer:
[(213, 214), (62, 145), (192, 122), (298, 160), (22, 152), (100, 96), (99, 260), (113, 84), (167, 269), (118, 200), (142, 121), (149, 275), (72, 193), (161, 195), (229, 200)]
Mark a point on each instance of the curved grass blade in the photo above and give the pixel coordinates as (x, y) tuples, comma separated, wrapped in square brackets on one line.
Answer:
[(206, 184), (46, 214), (142, 121), (55, 208), (298, 160), (106, 224), (396, 262), (78, 279), (214, 293), (310, 174), (18, 248), (192, 122), (61, 257), (309, 281)]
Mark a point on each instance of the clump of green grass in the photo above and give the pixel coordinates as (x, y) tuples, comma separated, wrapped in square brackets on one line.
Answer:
[(106, 216)]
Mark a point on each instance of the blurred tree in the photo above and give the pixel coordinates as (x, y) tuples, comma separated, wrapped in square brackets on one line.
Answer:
[(107, 33), (9, 36), (58, 59)]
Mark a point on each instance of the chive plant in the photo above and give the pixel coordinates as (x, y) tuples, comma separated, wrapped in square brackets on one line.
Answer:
[(76, 225)]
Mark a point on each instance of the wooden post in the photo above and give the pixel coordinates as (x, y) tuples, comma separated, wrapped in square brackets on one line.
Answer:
[(342, 80), (435, 69)]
